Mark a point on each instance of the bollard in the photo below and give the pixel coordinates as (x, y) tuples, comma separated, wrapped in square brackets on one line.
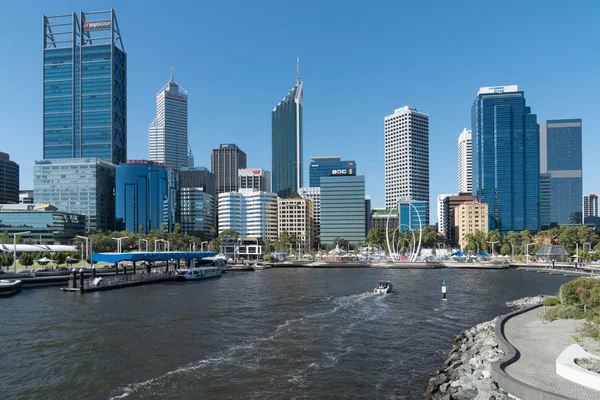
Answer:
[(149, 267), (444, 290), (124, 269), (74, 278), (134, 267), (93, 272), (81, 278)]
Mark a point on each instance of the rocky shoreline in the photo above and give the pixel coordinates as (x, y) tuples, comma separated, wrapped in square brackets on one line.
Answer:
[(467, 373)]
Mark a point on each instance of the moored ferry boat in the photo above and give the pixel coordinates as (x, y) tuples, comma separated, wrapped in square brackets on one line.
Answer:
[(192, 274)]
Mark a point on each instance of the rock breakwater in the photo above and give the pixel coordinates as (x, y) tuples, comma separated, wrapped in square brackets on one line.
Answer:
[(525, 302), (467, 373)]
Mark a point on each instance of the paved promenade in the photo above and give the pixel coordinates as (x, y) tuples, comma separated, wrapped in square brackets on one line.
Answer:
[(539, 345)]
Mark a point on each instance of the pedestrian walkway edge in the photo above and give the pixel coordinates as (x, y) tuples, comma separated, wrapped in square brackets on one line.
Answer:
[(515, 387)]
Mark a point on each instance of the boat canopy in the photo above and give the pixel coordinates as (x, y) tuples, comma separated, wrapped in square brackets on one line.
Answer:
[(152, 256)]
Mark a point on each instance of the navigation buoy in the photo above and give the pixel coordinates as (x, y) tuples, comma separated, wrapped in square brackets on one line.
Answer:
[(444, 290)]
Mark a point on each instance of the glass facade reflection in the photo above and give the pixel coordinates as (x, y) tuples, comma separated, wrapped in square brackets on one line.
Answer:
[(9, 180), (78, 185), (322, 166), (506, 159), (561, 158), (342, 209), (44, 222), (286, 125), (412, 215), (84, 87)]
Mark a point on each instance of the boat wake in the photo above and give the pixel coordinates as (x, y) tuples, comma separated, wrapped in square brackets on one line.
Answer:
[(248, 350)]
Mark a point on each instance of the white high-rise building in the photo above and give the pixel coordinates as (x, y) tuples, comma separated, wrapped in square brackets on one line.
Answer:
[(589, 206), (168, 133), (465, 162), (314, 193), (407, 157), (441, 215), (250, 213), (254, 178)]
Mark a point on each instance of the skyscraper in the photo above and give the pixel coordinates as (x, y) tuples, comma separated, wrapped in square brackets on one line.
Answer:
[(560, 156), (342, 209), (506, 158), (225, 163), (286, 137), (465, 162), (85, 87), (322, 166), (590, 206), (407, 158), (249, 213), (441, 213), (168, 133), (9, 180), (545, 200)]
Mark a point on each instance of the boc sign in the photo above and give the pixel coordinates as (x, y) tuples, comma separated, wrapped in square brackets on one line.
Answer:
[(345, 171)]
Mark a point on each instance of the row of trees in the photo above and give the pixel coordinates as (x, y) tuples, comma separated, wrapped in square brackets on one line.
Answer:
[(404, 240)]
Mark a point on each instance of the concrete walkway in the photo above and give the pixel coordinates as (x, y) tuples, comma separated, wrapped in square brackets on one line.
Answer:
[(539, 345)]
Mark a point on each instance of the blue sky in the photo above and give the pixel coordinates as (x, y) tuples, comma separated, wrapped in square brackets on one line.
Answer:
[(359, 62)]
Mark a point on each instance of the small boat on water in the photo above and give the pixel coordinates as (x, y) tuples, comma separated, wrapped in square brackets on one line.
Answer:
[(9, 287), (240, 267), (260, 267), (383, 287), (193, 274)]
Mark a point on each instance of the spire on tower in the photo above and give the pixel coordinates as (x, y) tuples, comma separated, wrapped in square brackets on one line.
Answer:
[(297, 69), (171, 74)]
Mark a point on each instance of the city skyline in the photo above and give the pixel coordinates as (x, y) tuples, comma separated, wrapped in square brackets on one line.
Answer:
[(330, 122)]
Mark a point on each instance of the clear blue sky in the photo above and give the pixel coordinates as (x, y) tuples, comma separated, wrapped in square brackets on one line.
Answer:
[(359, 62)]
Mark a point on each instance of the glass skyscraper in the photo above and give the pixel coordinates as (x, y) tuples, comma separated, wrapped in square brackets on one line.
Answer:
[(560, 157), (84, 87), (343, 209), (322, 166), (286, 125), (506, 158)]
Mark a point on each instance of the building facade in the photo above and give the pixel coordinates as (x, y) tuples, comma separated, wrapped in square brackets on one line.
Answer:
[(145, 196), (196, 211), (506, 158), (46, 225), (407, 158), (249, 213), (322, 166), (84, 87), (314, 193), (441, 213), (342, 209), (410, 215), (168, 133), (367, 214), (450, 204), (254, 178), (468, 218), (197, 177), (9, 180), (226, 161), (589, 206), (26, 197), (379, 219), (465, 162), (286, 142), (561, 157), (545, 200), (296, 216), (78, 186)]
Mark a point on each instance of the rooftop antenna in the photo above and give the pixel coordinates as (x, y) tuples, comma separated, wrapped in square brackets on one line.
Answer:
[(297, 69), (171, 74)]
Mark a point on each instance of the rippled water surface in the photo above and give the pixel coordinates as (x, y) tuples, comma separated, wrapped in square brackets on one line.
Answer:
[(272, 334)]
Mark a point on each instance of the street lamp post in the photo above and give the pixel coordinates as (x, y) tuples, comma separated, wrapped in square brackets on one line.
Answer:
[(527, 250), (493, 243), (119, 239), (512, 246), (15, 248), (202, 245), (140, 244), (86, 247)]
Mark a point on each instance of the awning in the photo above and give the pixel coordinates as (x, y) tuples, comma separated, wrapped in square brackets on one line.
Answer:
[(152, 256)]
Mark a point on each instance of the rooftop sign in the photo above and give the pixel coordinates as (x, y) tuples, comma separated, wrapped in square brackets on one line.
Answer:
[(97, 25), (159, 164), (498, 89)]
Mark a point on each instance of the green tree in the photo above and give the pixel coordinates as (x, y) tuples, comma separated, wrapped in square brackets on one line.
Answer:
[(229, 233), (26, 259), (430, 237), (285, 241), (164, 227), (376, 238), (214, 245), (4, 238), (7, 260), (59, 257), (141, 228), (506, 250), (476, 241), (177, 228)]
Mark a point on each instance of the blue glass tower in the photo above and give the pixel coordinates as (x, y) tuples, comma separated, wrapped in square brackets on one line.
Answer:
[(323, 166), (560, 157), (85, 81), (506, 158)]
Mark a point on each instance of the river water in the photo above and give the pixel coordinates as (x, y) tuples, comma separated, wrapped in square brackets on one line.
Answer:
[(272, 334)]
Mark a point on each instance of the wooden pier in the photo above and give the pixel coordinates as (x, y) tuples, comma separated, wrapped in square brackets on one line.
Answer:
[(117, 282)]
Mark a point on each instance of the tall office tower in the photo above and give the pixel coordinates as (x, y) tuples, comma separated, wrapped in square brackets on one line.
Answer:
[(296, 216), (248, 212), (343, 209), (407, 158), (545, 200), (225, 162), (197, 177), (590, 206), (560, 156), (322, 166), (367, 214), (168, 132), (145, 196), (465, 162), (85, 87), (9, 180), (314, 193), (441, 215), (254, 178), (80, 186), (286, 137), (197, 201), (506, 158)]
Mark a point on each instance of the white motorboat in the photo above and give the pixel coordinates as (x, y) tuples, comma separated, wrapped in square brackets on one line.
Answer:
[(9, 287), (383, 287), (193, 274)]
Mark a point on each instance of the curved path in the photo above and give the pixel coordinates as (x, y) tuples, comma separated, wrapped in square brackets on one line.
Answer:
[(539, 345)]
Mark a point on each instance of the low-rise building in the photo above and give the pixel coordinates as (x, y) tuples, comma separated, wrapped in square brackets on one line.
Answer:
[(296, 216), (468, 218), (450, 204), (254, 178), (379, 219)]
